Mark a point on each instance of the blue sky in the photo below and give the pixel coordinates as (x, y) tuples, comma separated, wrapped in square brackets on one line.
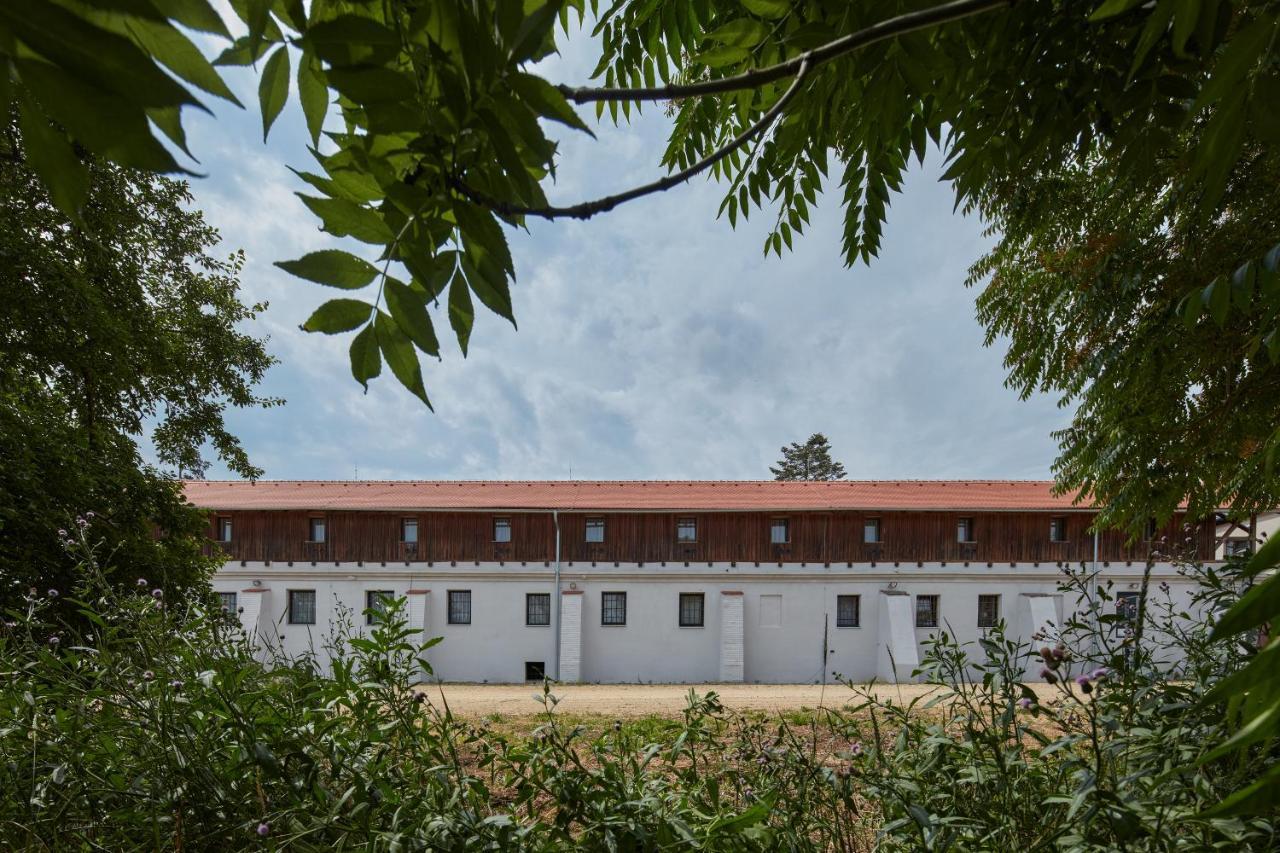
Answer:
[(654, 342)]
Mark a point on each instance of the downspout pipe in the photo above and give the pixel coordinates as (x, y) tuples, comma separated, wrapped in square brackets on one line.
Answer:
[(555, 519)]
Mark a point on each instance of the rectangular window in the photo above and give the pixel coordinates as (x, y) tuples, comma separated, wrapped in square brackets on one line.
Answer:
[(228, 601), (926, 611), (964, 530), (595, 529), (1127, 605), (1058, 528), (988, 611), (317, 530), (375, 602), (302, 607), (847, 607), (613, 608), (502, 530), (459, 607), (537, 608), (871, 530), (535, 670), (691, 607), (224, 530), (1236, 546), (687, 530), (409, 531), (780, 531)]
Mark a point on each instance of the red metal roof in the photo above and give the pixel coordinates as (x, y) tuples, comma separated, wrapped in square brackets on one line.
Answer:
[(624, 495)]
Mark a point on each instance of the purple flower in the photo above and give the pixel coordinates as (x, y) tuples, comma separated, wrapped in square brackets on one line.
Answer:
[(264, 829), (1099, 673), (148, 676), (1047, 675), (142, 581), (175, 684), (157, 593), (53, 641), (856, 747), (1024, 703), (53, 593), (81, 522), (62, 532), (88, 514), (1082, 680), (159, 605)]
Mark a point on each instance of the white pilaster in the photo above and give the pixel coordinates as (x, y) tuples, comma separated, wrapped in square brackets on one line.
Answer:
[(570, 635), (731, 650), (897, 653)]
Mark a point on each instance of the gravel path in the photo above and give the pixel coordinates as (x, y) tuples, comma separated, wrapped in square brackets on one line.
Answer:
[(639, 700)]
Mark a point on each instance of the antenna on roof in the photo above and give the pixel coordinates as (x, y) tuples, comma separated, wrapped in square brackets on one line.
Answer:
[(357, 472)]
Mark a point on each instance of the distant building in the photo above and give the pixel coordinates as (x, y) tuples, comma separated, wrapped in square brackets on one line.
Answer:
[(670, 581), (1234, 537)]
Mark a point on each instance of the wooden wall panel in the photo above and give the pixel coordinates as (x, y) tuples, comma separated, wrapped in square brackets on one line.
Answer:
[(816, 537)]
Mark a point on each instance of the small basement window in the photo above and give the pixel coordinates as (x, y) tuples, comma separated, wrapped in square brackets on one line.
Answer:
[(847, 607), (691, 609), (988, 611), (926, 611), (459, 607), (595, 529), (535, 670)]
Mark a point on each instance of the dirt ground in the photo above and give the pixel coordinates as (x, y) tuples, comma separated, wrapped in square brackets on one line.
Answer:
[(642, 700)]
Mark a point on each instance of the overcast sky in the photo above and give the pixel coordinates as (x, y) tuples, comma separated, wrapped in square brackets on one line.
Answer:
[(655, 341)]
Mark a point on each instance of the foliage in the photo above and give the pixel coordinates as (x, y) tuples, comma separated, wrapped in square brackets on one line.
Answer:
[(150, 725), (809, 461), (119, 325), (441, 143)]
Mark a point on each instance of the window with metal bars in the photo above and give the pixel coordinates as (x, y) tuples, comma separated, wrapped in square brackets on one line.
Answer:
[(988, 611), (375, 604), (302, 607), (502, 530), (228, 601), (537, 608), (1127, 605), (613, 608), (691, 609), (847, 607), (926, 611), (459, 607)]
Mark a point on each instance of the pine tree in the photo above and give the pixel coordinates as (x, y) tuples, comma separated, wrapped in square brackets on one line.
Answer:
[(809, 461)]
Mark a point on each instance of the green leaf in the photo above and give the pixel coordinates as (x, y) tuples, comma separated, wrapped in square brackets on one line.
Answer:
[(743, 32), (1260, 797), (489, 283), (719, 57), (352, 39), (462, 313), (409, 309), (313, 93), (332, 267), (767, 8), (481, 228), (193, 14), (55, 161), (179, 55), (1111, 8), (273, 88), (366, 358), (398, 350), (338, 315), (1260, 604), (92, 55), (344, 218), (546, 101)]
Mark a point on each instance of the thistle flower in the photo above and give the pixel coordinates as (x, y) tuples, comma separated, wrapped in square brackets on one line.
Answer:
[(53, 593), (157, 593), (54, 640), (62, 532), (1024, 703), (1047, 675), (264, 829), (148, 676), (81, 522), (1099, 673), (176, 684), (142, 582), (856, 747), (89, 514)]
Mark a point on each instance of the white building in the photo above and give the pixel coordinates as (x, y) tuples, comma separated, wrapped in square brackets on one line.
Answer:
[(668, 581)]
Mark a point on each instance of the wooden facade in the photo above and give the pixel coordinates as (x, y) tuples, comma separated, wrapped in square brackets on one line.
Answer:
[(651, 537)]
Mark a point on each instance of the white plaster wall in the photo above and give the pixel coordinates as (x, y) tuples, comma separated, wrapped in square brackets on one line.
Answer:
[(652, 647)]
